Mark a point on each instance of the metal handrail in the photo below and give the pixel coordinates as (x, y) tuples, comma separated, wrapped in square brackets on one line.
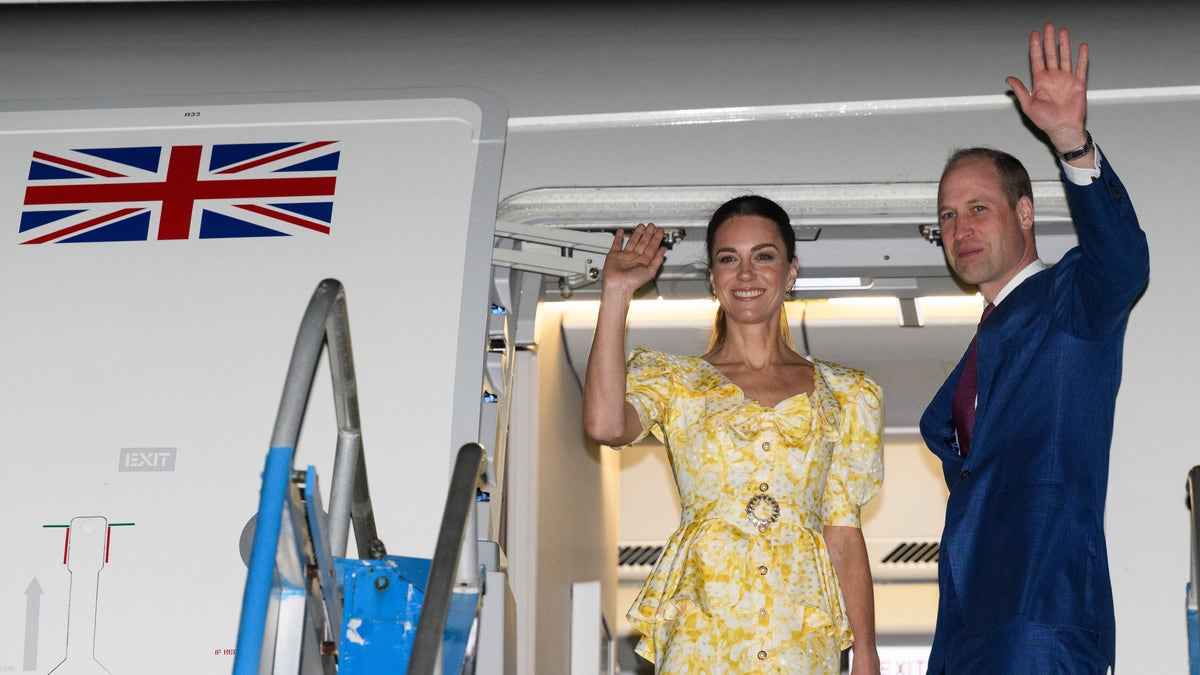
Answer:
[(326, 321), (1193, 484), (1193, 593), (455, 566), (273, 559)]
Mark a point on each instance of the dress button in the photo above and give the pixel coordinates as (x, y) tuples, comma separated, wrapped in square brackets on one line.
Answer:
[(762, 569), (763, 487), (766, 446), (964, 474), (762, 656), (762, 612)]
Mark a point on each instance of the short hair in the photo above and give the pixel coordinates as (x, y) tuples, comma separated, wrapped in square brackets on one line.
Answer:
[(1014, 179)]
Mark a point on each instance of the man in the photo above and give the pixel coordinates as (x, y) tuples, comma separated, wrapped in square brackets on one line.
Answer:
[(1023, 569)]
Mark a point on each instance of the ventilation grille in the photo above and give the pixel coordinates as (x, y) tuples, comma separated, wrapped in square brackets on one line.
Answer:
[(911, 552), (637, 556)]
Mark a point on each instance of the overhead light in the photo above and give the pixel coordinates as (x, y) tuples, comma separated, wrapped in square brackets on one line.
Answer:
[(833, 283)]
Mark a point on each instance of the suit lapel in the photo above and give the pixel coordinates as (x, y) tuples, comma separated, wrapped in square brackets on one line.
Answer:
[(1007, 343)]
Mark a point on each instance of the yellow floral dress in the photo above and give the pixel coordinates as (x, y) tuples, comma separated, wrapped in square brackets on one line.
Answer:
[(745, 585)]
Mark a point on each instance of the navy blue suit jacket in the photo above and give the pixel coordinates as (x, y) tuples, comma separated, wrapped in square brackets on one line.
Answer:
[(1023, 566)]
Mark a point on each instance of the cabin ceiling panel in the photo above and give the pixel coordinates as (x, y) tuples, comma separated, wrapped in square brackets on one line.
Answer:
[(883, 235)]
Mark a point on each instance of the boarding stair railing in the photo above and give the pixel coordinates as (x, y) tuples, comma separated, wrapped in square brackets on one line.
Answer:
[(1193, 620), (308, 610)]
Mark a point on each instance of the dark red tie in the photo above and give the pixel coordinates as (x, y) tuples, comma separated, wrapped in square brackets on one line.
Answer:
[(963, 405)]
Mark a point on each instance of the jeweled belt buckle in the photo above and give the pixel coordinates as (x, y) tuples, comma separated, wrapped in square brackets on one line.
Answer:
[(752, 507)]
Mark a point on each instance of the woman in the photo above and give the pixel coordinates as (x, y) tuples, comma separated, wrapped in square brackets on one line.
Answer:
[(773, 456)]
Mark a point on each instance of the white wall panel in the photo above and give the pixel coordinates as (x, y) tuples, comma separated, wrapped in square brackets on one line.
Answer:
[(177, 349)]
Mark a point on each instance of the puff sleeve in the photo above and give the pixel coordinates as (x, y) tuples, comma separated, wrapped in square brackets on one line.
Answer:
[(856, 469), (648, 389)]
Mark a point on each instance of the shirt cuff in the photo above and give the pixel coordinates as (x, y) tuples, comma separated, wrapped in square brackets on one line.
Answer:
[(1080, 176)]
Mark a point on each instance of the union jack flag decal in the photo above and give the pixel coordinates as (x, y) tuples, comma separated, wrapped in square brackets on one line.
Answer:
[(180, 192)]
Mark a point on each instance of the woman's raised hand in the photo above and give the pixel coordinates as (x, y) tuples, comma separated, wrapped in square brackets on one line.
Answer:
[(632, 264), (607, 416)]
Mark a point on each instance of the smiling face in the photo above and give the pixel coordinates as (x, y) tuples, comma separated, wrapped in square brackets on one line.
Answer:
[(986, 240), (751, 272)]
